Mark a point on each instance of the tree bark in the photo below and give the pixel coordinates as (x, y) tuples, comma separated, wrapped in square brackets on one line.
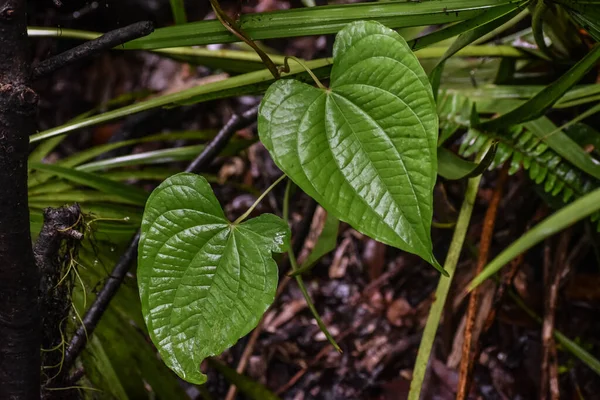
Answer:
[(19, 282)]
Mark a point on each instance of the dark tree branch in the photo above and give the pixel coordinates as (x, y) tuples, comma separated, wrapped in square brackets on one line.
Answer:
[(220, 141), (110, 288), (19, 283), (88, 49)]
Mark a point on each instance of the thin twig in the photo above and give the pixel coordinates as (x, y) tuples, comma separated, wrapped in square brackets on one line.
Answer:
[(113, 282), (249, 349), (220, 141), (553, 272), (322, 353), (507, 280), (300, 280), (466, 364), (104, 42)]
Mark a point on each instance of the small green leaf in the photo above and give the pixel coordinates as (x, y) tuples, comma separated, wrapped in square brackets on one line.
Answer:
[(452, 167), (204, 282), (365, 149)]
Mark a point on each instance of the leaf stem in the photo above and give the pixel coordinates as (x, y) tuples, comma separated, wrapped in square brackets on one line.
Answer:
[(286, 68), (443, 287), (294, 265), (262, 196)]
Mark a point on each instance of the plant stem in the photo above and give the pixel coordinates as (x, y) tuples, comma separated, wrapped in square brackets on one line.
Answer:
[(312, 75), (572, 347), (262, 196), (443, 287), (471, 333), (299, 280), (232, 27)]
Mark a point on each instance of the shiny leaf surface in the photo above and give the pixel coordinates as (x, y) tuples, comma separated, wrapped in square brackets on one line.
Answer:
[(204, 282), (365, 148)]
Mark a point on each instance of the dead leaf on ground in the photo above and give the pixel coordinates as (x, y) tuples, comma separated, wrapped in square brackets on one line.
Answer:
[(400, 313)]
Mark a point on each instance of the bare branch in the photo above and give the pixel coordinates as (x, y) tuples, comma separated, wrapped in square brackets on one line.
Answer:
[(88, 49)]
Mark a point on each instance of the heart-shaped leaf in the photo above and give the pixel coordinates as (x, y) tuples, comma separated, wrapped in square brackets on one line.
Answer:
[(365, 148), (204, 281)]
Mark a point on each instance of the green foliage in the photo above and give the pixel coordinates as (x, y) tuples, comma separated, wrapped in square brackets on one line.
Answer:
[(204, 282), (452, 167), (540, 103), (545, 167), (528, 146), (585, 13), (483, 24), (365, 148), (127, 192), (178, 8), (318, 21), (119, 361), (558, 221)]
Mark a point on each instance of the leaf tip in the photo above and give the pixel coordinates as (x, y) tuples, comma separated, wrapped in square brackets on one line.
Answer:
[(438, 266)]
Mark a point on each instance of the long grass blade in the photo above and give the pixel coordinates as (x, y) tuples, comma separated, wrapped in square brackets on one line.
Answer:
[(483, 24), (558, 221), (318, 21), (131, 193), (544, 100), (178, 9)]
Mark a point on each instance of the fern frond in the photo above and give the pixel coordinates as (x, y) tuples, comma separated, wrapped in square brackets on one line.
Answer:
[(521, 148)]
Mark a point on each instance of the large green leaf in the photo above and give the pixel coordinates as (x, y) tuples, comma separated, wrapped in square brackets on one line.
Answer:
[(204, 282), (365, 148)]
